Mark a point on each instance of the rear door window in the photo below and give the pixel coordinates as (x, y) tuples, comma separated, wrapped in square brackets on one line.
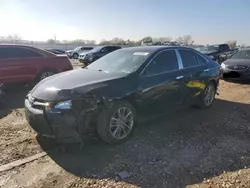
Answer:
[(86, 48), (5, 53), (105, 50), (201, 60), (114, 48), (15, 52), (165, 61), (189, 58)]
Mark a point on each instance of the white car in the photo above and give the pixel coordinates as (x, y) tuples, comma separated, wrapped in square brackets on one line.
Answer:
[(77, 51)]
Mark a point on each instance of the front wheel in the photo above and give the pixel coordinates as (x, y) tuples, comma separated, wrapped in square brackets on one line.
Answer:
[(208, 96), (116, 124)]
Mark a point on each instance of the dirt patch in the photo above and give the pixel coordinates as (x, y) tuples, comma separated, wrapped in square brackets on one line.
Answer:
[(17, 139), (76, 63), (193, 148), (236, 179)]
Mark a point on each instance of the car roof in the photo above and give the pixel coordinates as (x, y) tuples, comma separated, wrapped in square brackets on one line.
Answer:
[(85, 47), (16, 45), (21, 46), (107, 46), (152, 49)]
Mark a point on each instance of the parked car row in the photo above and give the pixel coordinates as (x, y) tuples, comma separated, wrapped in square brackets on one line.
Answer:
[(96, 53), (117, 90), (77, 51)]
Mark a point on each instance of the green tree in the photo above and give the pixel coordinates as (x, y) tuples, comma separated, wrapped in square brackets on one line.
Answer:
[(232, 43)]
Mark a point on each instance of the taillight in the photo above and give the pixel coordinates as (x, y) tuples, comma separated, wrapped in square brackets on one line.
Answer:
[(220, 71)]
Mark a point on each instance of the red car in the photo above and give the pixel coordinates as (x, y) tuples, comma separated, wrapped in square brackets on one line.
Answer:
[(26, 64)]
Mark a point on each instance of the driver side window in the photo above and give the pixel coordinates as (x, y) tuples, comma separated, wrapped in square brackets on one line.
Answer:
[(104, 50), (165, 61)]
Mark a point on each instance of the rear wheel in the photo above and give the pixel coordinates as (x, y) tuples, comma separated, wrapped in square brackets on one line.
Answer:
[(116, 124), (208, 96), (45, 74)]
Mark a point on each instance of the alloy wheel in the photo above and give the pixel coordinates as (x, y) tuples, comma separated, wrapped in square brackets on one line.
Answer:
[(209, 95), (121, 123)]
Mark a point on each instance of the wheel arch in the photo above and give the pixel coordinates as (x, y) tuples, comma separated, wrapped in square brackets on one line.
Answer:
[(215, 82), (127, 98), (36, 78)]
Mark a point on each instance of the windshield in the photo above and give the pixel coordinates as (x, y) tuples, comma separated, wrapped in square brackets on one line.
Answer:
[(77, 48), (241, 54), (126, 61), (209, 48), (95, 49)]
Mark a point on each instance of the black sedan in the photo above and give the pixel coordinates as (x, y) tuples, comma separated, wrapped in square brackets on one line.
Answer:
[(115, 91), (56, 51), (238, 66)]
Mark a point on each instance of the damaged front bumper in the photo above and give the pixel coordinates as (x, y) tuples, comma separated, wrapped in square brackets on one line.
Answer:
[(66, 125)]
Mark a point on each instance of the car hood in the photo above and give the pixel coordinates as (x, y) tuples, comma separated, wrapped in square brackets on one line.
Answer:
[(207, 52), (72, 83), (237, 62), (69, 51), (86, 52)]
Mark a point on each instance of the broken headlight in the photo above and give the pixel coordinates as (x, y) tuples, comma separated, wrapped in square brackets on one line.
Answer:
[(64, 105)]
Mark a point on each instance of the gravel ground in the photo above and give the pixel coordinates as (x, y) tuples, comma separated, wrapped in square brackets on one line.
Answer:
[(191, 148)]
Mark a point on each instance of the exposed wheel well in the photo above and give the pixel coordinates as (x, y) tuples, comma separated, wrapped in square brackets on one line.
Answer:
[(131, 101), (214, 82), (36, 79)]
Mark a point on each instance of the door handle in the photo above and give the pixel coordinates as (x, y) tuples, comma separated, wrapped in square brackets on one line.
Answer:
[(179, 77), (206, 70)]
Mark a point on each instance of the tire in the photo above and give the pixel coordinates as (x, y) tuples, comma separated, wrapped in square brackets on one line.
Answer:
[(75, 55), (86, 64), (104, 129), (207, 97), (45, 74)]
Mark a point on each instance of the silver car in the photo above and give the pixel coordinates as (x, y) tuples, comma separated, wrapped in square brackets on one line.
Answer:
[(75, 53)]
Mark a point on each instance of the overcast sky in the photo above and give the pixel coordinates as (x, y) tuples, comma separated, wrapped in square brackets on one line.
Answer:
[(208, 21)]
